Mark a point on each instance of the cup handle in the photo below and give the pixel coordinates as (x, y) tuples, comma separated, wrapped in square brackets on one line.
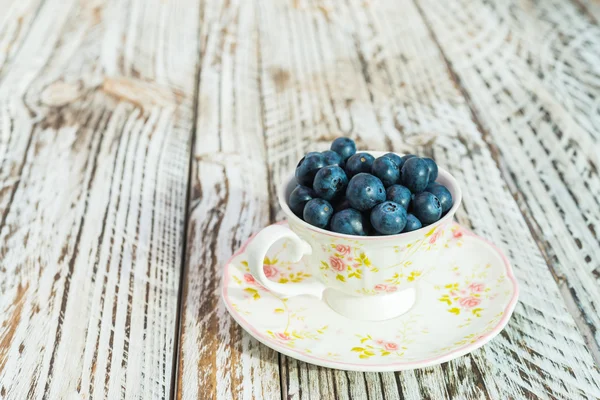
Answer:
[(257, 250)]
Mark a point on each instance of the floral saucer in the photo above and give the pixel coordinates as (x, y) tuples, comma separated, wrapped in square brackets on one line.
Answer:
[(461, 304)]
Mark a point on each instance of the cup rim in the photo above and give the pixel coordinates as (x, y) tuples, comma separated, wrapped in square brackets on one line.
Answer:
[(406, 235)]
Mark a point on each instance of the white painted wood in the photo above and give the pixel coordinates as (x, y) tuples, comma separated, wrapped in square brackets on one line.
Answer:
[(93, 195), (229, 202), (591, 7), (537, 96)]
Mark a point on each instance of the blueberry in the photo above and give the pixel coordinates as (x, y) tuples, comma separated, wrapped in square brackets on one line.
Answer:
[(333, 158), (415, 174), (433, 169), (388, 218), (395, 158), (360, 162), (387, 170), (442, 194), (399, 194), (407, 157), (412, 223), (365, 191), (344, 146), (341, 203), (299, 197), (317, 212), (308, 167), (349, 222), (329, 182), (426, 207)]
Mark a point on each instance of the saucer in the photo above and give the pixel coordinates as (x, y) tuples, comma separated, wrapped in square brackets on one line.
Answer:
[(461, 305)]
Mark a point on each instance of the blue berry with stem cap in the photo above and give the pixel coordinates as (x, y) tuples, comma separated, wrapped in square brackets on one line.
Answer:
[(349, 222), (415, 174), (426, 207), (443, 195), (308, 167), (318, 212), (299, 197), (388, 218), (360, 162), (365, 191), (386, 170), (399, 194), (344, 146), (329, 182)]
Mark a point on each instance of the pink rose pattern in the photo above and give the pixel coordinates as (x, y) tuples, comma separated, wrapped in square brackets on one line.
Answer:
[(380, 288), (337, 263), (390, 346), (477, 287), (469, 302), (343, 249), (468, 298), (435, 236), (385, 288), (249, 279), (270, 271), (282, 336)]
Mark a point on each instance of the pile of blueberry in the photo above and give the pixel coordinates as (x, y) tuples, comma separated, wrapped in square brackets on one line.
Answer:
[(357, 194)]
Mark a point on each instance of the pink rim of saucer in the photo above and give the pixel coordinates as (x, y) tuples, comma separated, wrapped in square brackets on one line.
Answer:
[(461, 351)]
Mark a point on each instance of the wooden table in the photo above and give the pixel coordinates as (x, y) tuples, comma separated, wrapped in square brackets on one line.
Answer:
[(141, 142)]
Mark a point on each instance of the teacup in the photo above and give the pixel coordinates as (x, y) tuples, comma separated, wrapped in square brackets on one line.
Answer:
[(361, 277)]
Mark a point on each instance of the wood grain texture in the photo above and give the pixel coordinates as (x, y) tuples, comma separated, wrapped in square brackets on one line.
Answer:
[(95, 124), (591, 7), (98, 102), (375, 72), (536, 93), (229, 201)]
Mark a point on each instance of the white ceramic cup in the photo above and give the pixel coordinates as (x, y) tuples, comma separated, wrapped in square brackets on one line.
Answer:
[(361, 277)]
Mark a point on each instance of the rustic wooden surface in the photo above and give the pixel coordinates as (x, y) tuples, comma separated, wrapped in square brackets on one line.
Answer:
[(141, 142)]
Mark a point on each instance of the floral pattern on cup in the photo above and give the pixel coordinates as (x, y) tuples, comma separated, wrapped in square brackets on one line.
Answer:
[(347, 261), (288, 323)]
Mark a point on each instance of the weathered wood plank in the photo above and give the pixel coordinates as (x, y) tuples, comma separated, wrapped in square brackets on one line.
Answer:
[(591, 7), (379, 72), (229, 201), (91, 241), (536, 94)]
